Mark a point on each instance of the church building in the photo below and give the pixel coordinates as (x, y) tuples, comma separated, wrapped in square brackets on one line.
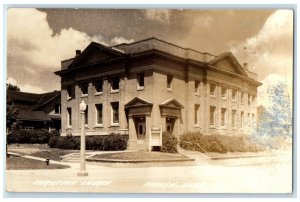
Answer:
[(143, 88)]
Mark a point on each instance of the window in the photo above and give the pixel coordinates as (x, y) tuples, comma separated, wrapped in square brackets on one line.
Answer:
[(196, 118), (234, 92), (169, 82), (197, 85), (69, 117), (212, 89), (99, 114), (140, 81), (242, 119), (223, 117), (249, 123), (253, 119), (253, 100), (242, 97), (86, 114), (98, 86), (212, 115), (114, 82), (115, 112), (57, 109), (233, 118), (249, 99), (223, 92), (84, 89), (69, 92)]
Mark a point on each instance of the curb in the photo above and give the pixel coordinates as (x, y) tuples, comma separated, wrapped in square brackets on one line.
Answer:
[(138, 160)]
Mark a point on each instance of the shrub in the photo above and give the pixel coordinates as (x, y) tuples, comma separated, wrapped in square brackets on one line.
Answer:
[(33, 136), (169, 143), (218, 143), (113, 142)]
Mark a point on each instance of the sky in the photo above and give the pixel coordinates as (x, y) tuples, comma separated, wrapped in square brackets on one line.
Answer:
[(38, 39)]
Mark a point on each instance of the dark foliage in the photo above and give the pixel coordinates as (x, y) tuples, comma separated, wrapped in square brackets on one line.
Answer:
[(169, 143), (218, 143), (34, 136), (113, 142)]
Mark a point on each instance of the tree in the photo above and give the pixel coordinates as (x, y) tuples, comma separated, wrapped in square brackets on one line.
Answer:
[(12, 87), (275, 118), (11, 121)]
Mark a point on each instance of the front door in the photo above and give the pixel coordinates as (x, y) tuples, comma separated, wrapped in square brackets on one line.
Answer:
[(170, 122), (140, 128)]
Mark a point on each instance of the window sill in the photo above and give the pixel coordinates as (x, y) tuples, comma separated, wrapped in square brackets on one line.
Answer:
[(99, 126), (114, 125), (197, 126), (169, 89), (212, 126), (223, 98), (140, 88), (212, 96), (99, 93), (196, 94), (84, 95), (233, 100), (114, 91), (69, 98), (68, 128)]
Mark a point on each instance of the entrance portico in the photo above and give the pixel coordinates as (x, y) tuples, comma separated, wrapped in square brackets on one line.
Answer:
[(138, 112)]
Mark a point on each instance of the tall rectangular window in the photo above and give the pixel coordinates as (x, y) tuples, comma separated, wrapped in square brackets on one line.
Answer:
[(86, 115), (197, 86), (223, 92), (242, 97), (98, 86), (253, 119), (242, 119), (249, 123), (69, 117), (233, 118), (141, 80), (169, 82), (212, 89), (99, 114), (114, 82), (212, 115), (253, 100), (249, 99), (84, 89), (57, 109), (69, 92), (196, 116), (234, 92), (223, 117), (115, 112)]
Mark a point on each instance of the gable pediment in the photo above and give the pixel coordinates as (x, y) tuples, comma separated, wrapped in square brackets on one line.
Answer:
[(138, 102), (229, 63), (172, 103), (94, 53)]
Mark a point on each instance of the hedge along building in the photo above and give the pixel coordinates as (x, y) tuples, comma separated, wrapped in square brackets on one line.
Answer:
[(150, 86)]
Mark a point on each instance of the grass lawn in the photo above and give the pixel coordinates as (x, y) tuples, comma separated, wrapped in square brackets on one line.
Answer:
[(40, 150), (139, 156), (20, 163), (53, 154)]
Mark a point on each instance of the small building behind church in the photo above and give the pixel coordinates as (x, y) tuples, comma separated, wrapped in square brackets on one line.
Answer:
[(143, 88)]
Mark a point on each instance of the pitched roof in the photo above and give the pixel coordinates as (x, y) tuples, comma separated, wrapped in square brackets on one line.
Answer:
[(37, 100), (32, 116)]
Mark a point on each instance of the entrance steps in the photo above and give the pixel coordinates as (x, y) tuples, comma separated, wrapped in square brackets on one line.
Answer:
[(74, 157), (138, 145)]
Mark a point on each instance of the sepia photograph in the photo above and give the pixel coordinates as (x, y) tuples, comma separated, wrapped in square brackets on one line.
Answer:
[(149, 100)]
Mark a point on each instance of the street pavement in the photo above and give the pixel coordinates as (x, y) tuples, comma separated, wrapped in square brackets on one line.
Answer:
[(261, 174)]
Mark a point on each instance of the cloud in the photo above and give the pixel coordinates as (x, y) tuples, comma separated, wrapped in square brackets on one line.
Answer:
[(119, 40), (33, 48), (160, 15), (271, 50)]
